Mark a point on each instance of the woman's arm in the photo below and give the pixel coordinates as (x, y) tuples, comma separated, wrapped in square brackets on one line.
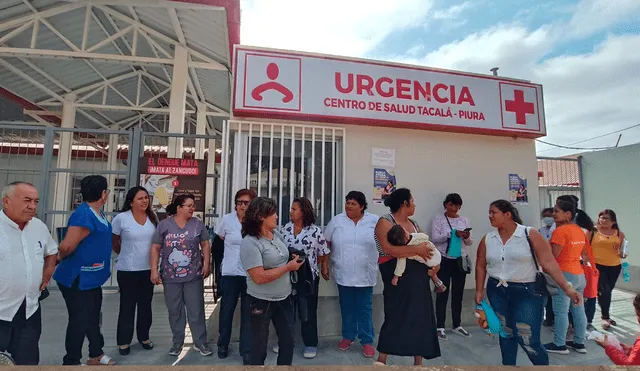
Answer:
[(440, 230), (481, 270), (556, 249), (115, 243), (469, 240), (383, 227), (261, 276), (74, 236), (206, 256), (155, 258), (550, 265)]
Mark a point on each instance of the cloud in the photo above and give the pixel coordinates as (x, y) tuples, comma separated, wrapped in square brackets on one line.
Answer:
[(595, 15), (349, 28), (453, 12), (586, 95)]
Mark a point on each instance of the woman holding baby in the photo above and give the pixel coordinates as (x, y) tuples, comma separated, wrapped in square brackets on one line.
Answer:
[(409, 327)]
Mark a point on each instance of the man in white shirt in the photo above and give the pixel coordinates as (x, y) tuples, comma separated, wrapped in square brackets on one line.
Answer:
[(28, 257)]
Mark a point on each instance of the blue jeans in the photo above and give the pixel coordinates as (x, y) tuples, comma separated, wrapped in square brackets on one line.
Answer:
[(561, 306), (520, 310), (356, 307)]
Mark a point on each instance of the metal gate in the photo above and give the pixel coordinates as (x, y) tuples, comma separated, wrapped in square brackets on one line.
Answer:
[(284, 161), (56, 159), (559, 176)]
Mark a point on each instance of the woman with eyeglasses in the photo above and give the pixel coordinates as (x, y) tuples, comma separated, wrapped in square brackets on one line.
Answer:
[(606, 242), (182, 241), (233, 283)]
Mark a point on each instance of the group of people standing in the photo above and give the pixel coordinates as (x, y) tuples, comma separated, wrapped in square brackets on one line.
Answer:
[(513, 257), (275, 272)]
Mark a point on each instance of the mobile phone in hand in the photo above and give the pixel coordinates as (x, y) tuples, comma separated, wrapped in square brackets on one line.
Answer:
[(467, 229)]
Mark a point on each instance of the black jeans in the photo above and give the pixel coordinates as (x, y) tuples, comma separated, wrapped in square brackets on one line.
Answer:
[(136, 291), (606, 283), (233, 288), (280, 313), (454, 278), (83, 307), (20, 337), (309, 328)]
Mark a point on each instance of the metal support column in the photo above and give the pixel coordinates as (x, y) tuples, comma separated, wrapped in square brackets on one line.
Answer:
[(178, 99), (112, 165), (61, 195)]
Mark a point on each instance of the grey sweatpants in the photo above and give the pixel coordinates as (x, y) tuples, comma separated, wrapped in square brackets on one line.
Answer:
[(177, 296)]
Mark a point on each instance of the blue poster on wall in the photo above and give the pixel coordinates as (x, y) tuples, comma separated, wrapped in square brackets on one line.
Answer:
[(518, 190), (384, 182)]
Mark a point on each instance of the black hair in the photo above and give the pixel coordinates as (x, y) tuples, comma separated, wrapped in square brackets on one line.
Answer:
[(259, 208), (547, 210), (569, 198), (308, 215), (358, 197), (454, 198), (567, 206), (397, 199), (507, 207), (584, 221), (172, 209), (397, 236), (636, 303), (612, 215), (131, 195), (92, 186)]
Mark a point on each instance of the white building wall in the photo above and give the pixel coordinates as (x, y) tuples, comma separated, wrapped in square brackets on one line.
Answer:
[(433, 164), (611, 181)]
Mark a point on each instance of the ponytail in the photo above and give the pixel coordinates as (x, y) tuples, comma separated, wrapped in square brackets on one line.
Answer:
[(507, 207)]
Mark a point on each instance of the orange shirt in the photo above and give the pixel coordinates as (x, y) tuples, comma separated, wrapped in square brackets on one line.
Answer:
[(573, 241)]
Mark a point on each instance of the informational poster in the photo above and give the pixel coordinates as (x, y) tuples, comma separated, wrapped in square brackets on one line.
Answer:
[(384, 183), (518, 190), (383, 157), (167, 178)]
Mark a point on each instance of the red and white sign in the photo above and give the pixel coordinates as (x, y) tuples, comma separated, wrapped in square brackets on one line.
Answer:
[(297, 86)]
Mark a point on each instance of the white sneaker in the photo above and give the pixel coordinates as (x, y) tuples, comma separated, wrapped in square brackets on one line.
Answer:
[(442, 334), (461, 331), (310, 352)]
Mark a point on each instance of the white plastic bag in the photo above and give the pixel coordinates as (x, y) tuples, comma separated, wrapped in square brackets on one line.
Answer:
[(612, 339)]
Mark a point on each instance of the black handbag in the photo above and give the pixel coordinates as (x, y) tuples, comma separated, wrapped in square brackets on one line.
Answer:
[(545, 285), (463, 262)]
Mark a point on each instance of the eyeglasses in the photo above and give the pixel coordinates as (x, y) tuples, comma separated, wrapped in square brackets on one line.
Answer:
[(188, 206), (605, 217), (242, 203)]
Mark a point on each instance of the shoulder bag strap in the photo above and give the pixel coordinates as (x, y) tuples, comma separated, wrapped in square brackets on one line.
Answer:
[(533, 253), (450, 227)]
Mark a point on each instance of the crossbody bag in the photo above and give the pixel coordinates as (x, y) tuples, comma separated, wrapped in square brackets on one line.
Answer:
[(545, 285)]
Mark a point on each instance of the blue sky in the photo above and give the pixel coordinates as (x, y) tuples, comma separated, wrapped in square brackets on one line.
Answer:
[(586, 53)]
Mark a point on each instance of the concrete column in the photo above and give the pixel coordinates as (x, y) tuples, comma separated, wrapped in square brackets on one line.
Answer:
[(178, 99), (112, 165), (62, 181)]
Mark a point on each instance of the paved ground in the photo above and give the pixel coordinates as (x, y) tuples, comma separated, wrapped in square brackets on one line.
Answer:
[(477, 350)]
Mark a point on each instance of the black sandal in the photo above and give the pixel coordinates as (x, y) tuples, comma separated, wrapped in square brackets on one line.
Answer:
[(124, 351), (147, 346)]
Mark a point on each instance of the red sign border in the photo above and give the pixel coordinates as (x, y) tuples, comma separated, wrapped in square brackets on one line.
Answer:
[(431, 126)]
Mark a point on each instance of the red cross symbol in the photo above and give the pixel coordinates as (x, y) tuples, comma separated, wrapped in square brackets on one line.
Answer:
[(519, 107)]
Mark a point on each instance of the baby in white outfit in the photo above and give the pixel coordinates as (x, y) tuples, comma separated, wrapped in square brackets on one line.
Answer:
[(398, 236)]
